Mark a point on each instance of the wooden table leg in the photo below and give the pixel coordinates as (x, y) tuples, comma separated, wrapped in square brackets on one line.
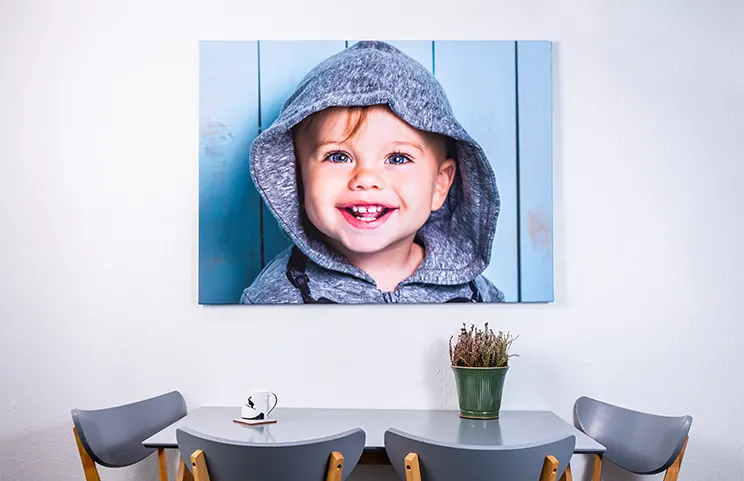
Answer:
[(183, 472), (597, 474), (162, 464), (567, 474)]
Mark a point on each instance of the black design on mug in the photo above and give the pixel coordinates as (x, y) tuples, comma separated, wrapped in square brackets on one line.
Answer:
[(260, 408)]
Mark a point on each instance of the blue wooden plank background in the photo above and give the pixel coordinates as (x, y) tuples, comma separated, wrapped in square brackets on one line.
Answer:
[(485, 104), (534, 74), (500, 92), (229, 205)]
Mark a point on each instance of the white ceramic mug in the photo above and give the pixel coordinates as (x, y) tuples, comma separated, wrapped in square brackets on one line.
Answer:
[(257, 405)]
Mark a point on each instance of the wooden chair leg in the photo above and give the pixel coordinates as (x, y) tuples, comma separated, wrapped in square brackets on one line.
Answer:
[(597, 473), (567, 474), (413, 470), (673, 471), (199, 465), (89, 467), (335, 467), (183, 472), (162, 464), (550, 469)]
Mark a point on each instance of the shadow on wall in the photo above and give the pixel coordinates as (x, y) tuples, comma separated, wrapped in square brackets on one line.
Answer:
[(440, 381)]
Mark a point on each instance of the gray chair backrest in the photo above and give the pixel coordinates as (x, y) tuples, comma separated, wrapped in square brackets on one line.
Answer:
[(638, 442), (113, 436), (450, 462), (230, 460)]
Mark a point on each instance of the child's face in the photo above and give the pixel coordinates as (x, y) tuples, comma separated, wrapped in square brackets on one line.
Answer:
[(373, 191)]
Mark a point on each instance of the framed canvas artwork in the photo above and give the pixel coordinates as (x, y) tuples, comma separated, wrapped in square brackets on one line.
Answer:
[(371, 172)]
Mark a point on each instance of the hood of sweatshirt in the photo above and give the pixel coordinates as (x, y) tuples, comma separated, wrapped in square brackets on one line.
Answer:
[(458, 237)]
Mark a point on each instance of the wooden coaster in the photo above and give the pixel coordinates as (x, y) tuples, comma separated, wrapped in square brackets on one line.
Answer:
[(253, 422)]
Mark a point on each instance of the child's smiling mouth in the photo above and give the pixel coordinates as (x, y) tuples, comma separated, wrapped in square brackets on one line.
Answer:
[(366, 216)]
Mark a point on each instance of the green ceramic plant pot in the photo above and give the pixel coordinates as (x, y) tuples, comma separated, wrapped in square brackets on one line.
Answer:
[(479, 391)]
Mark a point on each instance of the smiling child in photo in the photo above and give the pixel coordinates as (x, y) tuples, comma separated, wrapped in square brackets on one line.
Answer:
[(385, 196)]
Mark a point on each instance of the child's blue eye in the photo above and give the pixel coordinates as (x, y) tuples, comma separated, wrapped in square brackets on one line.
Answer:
[(398, 159), (338, 158)]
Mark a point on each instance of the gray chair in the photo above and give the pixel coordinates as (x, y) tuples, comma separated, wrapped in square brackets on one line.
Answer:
[(112, 437), (638, 442), (416, 459), (211, 458)]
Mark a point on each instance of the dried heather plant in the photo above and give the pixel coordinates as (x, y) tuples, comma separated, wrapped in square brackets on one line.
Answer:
[(476, 348)]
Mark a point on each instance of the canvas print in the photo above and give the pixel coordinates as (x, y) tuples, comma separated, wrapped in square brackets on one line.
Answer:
[(375, 172)]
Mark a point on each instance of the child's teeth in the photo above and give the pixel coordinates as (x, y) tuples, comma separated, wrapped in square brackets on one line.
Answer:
[(367, 213)]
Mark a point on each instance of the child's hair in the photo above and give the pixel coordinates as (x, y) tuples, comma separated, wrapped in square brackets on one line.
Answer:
[(356, 119)]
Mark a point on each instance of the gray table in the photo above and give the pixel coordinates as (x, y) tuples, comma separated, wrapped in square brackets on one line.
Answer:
[(298, 424)]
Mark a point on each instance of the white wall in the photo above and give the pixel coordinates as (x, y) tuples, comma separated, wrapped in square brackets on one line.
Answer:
[(98, 248)]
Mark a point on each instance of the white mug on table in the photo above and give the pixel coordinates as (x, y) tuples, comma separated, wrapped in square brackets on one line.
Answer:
[(257, 404)]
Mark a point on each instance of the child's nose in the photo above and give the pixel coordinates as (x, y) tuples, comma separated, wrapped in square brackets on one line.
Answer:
[(365, 178)]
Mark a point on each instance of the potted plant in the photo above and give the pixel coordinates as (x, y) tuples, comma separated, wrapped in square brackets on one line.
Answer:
[(480, 360)]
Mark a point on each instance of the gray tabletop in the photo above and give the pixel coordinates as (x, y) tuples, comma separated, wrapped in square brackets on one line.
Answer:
[(298, 424)]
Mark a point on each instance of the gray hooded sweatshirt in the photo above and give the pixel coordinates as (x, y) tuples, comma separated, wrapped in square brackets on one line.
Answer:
[(457, 238)]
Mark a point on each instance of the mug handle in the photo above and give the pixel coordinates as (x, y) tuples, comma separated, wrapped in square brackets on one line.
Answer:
[(276, 401)]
